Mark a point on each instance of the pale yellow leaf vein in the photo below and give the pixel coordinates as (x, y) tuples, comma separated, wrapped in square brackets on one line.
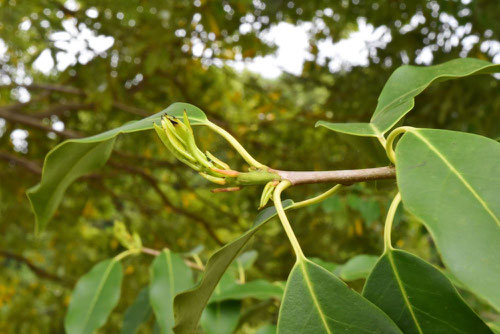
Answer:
[(313, 296)]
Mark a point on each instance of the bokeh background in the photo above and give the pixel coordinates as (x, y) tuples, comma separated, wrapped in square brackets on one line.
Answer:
[(264, 70)]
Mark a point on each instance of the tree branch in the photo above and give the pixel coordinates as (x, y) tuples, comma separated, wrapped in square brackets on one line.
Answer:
[(80, 92), (154, 184), (34, 123), (346, 177), (23, 162), (35, 269)]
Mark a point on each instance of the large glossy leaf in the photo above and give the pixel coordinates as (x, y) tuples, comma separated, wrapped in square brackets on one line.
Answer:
[(190, 304), (451, 182), (357, 267), (137, 313), (258, 289), (418, 297), (221, 317), (316, 301), (76, 157), (169, 276), (398, 95), (94, 297)]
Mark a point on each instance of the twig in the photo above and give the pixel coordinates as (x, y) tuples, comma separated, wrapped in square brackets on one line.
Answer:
[(23, 162), (16, 117), (80, 92), (346, 177), (35, 269), (154, 184)]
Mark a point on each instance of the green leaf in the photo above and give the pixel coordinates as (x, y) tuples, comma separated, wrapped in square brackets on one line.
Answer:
[(258, 289), (221, 318), (398, 95), (247, 259), (451, 182), (243, 262), (137, 313), (267, 329), (358, 267), (495, 326), (356, 129), (316, 301), (94, 297), (76, 157), (418, 297), (190, 304), (332, 267), (369, 209), (169, 276)]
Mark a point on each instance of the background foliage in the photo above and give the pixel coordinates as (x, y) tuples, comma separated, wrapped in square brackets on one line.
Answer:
[(148, 67)]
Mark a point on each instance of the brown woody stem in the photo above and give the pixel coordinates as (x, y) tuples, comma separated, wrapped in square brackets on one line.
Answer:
[(346, 177)]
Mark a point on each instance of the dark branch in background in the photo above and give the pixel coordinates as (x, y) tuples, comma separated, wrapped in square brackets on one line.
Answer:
[(61, 109), (23, 162), (16, 117), (42, 273), (80, 92), (154, 184), (37, 169), (50, 87)]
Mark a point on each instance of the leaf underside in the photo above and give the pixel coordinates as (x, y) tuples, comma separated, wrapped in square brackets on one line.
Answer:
[(450, 181), (398, 95)]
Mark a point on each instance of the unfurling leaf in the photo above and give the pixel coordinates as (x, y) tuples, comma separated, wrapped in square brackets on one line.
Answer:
[(127, 240), (76, 157)]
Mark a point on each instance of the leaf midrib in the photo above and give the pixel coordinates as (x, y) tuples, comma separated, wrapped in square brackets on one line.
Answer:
[(98, 292), (168, 259), (313, 294), (457, 174), (402, 289)]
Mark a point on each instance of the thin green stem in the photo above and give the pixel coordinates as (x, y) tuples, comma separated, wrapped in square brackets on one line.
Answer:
[(390, 141), (237, 146), (126, 253), (389, 220), (284, 220), (317, 199)]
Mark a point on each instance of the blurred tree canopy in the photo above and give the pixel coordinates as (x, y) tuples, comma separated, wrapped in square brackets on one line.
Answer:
[(154, 60)]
